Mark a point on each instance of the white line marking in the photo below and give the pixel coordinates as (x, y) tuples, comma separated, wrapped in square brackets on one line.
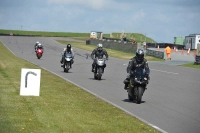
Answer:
[(163, 71)]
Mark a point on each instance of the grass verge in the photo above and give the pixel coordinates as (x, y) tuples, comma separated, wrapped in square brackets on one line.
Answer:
[(191, 65), (111, 52), (139, 37), (61, 106), (44, 33)]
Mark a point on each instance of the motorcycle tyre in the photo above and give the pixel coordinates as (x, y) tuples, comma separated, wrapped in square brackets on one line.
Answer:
[(130, 98), (140, 91)]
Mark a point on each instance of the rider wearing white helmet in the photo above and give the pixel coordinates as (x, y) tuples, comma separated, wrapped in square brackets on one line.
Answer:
[(38, 46), (99, 51)]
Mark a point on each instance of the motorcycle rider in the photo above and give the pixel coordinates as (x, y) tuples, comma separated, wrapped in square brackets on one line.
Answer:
[(69, 50), (99, 51), (137, 61), (38, 46)]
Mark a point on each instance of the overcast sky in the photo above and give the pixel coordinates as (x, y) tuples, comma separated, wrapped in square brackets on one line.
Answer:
[(161, 20)]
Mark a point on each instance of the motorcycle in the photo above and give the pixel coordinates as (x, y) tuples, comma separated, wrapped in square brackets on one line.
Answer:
[(137, 84), (39, 53), (67, 62), (99, 67)]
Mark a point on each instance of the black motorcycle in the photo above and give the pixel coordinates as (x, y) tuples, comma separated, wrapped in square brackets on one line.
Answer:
[(137, 85)]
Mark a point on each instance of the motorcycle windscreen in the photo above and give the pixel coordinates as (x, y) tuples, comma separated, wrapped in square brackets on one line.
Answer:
[(100, 57), (139, 72), (67, 55), (100, 61)]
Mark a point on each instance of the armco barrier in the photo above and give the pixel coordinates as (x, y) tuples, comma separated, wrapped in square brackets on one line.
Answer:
[(114, 44), (164, 45), (157, 54)]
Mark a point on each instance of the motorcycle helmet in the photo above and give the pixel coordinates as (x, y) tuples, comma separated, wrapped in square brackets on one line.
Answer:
[(68, 47), (37, 42), (39, 45), (100, 46), (140, 54)]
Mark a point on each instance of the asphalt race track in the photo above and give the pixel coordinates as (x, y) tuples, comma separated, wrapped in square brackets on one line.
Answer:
[(171, 103)]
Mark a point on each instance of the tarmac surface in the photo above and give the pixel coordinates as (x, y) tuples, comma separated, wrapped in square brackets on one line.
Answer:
[(171, 103)]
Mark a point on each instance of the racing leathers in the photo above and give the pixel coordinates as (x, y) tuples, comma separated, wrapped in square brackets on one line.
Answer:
[(63, 56), (133, 63), (97, 53), (38, 46)]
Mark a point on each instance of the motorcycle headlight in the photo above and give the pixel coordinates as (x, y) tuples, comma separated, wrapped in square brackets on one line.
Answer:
[(145, 78)]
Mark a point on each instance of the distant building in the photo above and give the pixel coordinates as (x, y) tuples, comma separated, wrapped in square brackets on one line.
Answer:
[(96, 34), (191, 41), (179, 40)]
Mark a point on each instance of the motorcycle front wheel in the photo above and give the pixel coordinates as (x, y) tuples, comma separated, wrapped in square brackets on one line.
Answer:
[(66, 67), (139, 94)]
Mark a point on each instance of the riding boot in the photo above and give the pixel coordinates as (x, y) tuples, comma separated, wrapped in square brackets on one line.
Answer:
[(92, 67), (125, 86), (61, 61)]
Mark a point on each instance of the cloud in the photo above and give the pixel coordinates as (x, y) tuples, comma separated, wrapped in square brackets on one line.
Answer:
[(138, 15), (1, 17), (163, 18), (95, 4), (193, 15)]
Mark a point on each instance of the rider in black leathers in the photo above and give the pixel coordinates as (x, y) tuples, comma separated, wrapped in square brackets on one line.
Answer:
[(98, 52), (68, 49), (137, 61)]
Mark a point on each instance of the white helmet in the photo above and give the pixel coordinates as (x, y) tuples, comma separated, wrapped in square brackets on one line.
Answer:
[(37, 42), (100, 45)]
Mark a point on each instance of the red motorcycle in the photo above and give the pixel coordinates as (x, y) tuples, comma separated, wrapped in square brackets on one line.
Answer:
[(39, 53)]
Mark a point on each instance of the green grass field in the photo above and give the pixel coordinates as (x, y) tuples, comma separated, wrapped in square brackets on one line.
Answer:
[(61, 107), (191, 65), (139, 37), (45, 34)]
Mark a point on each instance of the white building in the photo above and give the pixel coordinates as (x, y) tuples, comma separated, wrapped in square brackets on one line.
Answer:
[(191, 41), (96, 34)]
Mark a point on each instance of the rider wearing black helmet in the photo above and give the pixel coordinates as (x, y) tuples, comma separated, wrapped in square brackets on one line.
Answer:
[(137, 61), (68, 49)]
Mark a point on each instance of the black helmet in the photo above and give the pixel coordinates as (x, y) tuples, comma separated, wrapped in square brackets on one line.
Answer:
[(140, 54), (68, 46)]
